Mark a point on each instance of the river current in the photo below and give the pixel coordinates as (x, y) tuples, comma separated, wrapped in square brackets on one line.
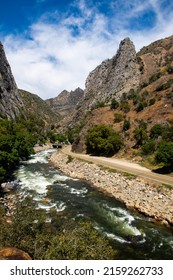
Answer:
[(134, 235)]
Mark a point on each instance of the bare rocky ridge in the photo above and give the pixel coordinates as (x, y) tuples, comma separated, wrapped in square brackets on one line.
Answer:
[(10, 101), (66, 101), (114, 76)]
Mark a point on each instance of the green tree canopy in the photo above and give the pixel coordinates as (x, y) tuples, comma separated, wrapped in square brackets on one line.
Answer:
[(103, 140), (165, 153)]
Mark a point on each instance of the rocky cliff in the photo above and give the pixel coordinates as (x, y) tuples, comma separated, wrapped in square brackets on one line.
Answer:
[(10, 101), (113, 76), (66, 101)]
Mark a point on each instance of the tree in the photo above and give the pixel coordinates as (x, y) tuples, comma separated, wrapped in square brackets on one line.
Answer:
[(114, 103), (149, 147), (165, 154), (140, 136), (126, 125), (156, 131), (103, 140)]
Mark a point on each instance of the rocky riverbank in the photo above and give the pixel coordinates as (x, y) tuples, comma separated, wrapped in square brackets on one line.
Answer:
[(148, 198)]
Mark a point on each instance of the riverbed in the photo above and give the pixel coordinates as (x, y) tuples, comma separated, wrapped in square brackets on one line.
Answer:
[(134, 235)]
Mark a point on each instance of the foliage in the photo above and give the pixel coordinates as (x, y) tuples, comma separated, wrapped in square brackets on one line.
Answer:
[(149, 147), (118, 117), (166, 85), (165, 153), (140, 135), (152, 101), (170, 69), (73, 133), (156, 131), (99, 104), (79, 242), (126, 125), (16, 143), (103, 140), (141, 105), (155, 77), (57, 239), (125, 106), (114, 103)]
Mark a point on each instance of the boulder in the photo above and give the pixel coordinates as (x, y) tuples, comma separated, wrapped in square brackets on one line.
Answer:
[(11, 253)]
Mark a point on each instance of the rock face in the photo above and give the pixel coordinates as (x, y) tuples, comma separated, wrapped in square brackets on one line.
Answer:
[(11, 253), (110, 79), (114, 76), (65, 102), (10, 101)]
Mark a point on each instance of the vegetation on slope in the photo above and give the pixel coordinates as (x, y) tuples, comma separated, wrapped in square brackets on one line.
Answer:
[(57, 239)]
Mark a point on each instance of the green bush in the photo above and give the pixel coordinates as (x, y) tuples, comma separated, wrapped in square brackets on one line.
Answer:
[(149, 147), (141, 105), (103, 140), (118, 117), (58, 239), (126, 125), (156, 131), (125, 106), (168, 84), (155, 77), (165, 154), (140, 135), (170, 69), (16, 143), (152, 101), (114, 104)]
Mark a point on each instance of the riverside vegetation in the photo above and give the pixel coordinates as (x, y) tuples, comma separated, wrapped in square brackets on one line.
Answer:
[(32, 232)]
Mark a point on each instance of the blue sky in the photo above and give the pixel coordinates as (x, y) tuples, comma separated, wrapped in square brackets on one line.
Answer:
[(52, 45)]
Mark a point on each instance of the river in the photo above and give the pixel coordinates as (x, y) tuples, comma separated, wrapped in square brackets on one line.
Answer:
[(132, 234)]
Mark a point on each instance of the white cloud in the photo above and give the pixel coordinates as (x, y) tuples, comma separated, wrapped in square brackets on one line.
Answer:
[(54, 58)]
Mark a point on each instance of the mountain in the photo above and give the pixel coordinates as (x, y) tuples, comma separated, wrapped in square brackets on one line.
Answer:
[(66, 101), (10, 101), (113, 76), (141, 84), (20, 103), (34, 105)]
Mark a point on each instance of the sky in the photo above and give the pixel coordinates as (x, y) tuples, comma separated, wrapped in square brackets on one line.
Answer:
[(52, 45)]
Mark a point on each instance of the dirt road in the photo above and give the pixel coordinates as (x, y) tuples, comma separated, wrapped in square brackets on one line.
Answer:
[(122, 165)]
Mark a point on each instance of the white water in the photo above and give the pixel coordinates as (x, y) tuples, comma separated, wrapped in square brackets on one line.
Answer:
[(52, 190)]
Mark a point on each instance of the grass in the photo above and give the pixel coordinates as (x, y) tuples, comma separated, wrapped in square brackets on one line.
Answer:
[(166, 186), (125, 174), (69, 159)]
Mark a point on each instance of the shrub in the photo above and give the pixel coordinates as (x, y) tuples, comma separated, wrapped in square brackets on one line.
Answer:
[(140, 135), (118, 117), (114, 104), (103, 140), (58, 239), (148, 147), (141, 105), (156, 131), (126, 125), (170, 69), (125, 107), (168, 84), (155, 77), (165, 154), (99, 104), (152, 101)]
